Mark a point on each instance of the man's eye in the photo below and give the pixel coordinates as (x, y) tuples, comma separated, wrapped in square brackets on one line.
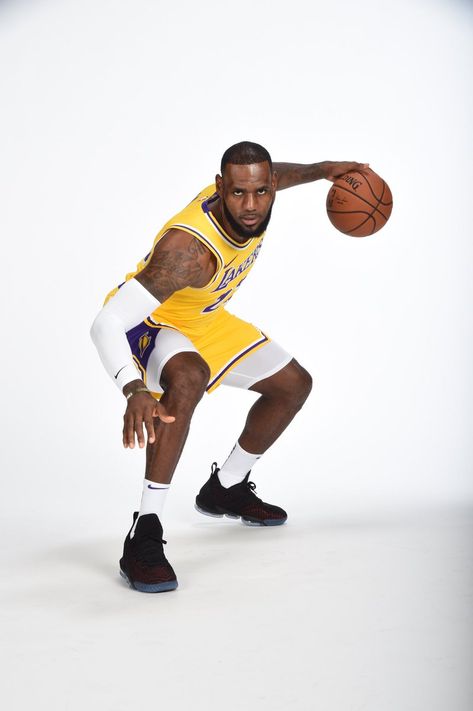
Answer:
[(238, 192), (262, 191)]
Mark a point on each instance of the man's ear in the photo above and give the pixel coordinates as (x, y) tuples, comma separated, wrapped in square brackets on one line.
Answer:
[(219, 184)]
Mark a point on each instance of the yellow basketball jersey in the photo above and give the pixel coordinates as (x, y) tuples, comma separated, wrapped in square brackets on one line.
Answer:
[(193, 311)]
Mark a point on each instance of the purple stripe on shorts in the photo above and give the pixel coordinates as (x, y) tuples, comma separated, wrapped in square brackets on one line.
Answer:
[(238, 357), (141, 339)]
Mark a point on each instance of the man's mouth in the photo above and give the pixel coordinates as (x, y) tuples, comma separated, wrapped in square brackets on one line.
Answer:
[(250, 220)]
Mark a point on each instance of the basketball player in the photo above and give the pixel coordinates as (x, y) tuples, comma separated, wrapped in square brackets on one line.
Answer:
[(165, 337)]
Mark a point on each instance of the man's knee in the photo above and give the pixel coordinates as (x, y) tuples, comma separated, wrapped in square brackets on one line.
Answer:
[(186, 376), (300, 383), (292, 383)]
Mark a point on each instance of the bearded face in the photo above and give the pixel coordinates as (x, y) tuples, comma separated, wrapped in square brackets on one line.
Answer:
[(247, 194), (247, 226)]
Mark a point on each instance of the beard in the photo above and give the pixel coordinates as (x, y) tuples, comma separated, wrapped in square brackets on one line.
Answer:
[(245, 232)]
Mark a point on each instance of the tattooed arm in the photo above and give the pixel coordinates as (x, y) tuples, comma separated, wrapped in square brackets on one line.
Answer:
[(291, 174), (179, 260)]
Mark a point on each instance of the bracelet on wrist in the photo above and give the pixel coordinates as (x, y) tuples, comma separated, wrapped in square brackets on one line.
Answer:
[(138, 390)]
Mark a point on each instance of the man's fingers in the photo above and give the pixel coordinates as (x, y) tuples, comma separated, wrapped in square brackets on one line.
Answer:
[(161, 412), (135, 419), (354, 166), (139, 431), (150, 429), (128, 432), (340, 169)]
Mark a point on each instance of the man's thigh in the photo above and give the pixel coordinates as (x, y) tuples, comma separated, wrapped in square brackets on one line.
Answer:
[(237, 352), (152, 347), (257, 366)]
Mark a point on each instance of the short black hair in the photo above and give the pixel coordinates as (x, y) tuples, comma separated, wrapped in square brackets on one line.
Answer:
[(245, 153)]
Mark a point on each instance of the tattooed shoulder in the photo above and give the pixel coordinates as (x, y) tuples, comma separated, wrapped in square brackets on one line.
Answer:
[(175, 264)]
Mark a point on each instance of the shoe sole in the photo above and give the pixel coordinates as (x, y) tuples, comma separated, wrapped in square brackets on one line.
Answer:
[(245, 521), (149, 587)]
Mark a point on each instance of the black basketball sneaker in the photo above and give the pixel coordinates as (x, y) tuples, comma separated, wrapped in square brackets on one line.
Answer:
[(144, 565), (238, 501)]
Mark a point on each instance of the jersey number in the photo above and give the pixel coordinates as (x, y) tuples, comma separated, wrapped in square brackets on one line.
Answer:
[(217, 303), (222, 297)]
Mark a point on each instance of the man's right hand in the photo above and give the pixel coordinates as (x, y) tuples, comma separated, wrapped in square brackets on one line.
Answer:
[(141, 409)]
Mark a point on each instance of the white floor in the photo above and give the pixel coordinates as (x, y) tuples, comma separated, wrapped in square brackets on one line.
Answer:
[(365, 613)]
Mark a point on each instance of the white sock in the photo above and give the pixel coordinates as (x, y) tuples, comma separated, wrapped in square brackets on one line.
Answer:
[(237, 466), (152, 500)]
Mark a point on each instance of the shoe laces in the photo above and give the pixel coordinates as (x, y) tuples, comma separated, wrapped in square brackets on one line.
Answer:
[(252, 487), (246, 494), (248, 487), (148, 553)]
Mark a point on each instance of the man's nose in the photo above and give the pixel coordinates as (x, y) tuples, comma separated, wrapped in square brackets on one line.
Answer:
[(249, 202)]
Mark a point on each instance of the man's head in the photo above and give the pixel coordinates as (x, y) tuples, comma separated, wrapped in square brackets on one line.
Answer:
[(247, 188)]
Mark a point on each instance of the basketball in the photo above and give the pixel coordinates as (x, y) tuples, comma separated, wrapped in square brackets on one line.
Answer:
[(359, 203)]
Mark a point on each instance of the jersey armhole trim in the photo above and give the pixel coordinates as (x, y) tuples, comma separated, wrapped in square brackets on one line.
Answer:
[(240, 246), (202, 238)]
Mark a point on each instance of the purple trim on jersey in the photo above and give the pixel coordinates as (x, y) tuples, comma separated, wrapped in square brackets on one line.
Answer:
[(155, 324), (206, 241), (229, 240), (208, 213), (206, 203), (237, 358)]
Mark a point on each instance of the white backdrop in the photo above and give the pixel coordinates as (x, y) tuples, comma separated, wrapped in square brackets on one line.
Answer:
[(115, 114)]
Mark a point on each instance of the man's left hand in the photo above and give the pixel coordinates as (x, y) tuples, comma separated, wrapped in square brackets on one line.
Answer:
[(336, 169)]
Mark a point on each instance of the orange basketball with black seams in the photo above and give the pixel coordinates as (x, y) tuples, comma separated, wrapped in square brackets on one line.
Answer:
[(359, 203)]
